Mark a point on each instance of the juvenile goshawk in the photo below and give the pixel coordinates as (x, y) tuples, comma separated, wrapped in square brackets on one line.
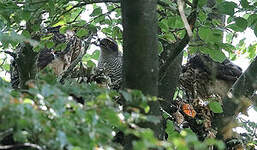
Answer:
[(203, 77), (110, 60)]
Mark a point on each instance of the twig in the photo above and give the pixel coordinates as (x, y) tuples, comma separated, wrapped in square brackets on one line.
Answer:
[(189, 3), (86, 3), (10, 53), (107, 13), (32, 3), (77, 16), (5, 133), (19, 146), (181, 4)]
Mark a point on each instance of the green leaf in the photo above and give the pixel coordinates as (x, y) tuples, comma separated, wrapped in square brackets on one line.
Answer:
[(96, 54), (35, 27), (241, 23), (229, 37), (244, 3), (228, 47), (227, 8), (110, 116), (179, 23), (252, 20), (80, 23), (210, 35), (230, 19), (25, 15), (171, 22), (160, 47), (28, 101), (61, 46), (201, 3), (90, 63), (215, 107), (164, 25), (49, 44), (202, 16), (60, 23), (82, 32), (76, 148), (127, 96), (204, 33), (97, 11), (26, 34), (63, 29), (255, 30), (92, 28), (252, 49), (117, 32), (6, 67), (217, 55), (20, 136), (168, 36)]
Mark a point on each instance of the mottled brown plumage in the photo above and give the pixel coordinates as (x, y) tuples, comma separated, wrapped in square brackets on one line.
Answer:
[(203, 77)]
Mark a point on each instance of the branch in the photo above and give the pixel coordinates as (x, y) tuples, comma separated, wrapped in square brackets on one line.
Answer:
[(84, 3), (20, 146), (91, 2), (31, 3), (76, 17), (181, 4), (107, 13), (10, 53), (179, 45), (107, 1)]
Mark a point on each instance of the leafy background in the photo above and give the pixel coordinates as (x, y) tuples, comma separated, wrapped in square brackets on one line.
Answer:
[(46, 114)]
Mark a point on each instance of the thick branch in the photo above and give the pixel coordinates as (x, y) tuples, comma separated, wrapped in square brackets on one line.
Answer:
[(179, 45)]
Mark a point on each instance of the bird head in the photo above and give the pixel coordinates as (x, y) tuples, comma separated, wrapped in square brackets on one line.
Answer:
[(108, 45)]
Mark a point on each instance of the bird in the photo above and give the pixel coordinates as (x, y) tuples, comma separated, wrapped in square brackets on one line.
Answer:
[(110, 60), (59, 61), (203, 77)]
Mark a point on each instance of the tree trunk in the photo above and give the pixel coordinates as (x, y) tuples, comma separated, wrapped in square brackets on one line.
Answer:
[(140, 56), (140, 69)]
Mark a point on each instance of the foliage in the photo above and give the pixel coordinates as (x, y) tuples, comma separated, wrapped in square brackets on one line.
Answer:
[(48, 116), (248, 137), (47, 113), (187, 139)]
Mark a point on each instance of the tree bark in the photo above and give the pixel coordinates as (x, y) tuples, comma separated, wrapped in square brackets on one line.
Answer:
[(140, 55), (140, 69), (168, 80), (26, 64)]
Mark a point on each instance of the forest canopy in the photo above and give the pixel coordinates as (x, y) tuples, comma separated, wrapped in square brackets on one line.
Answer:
[(179, 89)]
